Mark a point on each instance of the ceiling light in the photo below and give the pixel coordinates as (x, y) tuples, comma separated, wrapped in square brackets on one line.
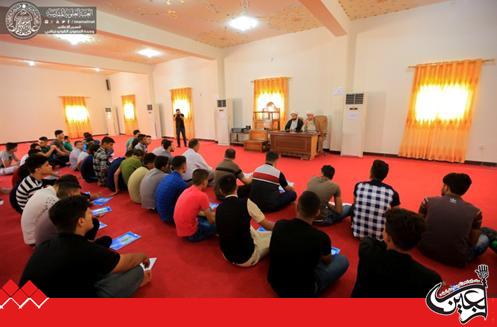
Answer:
[(168, 2), (30, 62), (243, 23), (149, 53), (97, 69), (75, 39)]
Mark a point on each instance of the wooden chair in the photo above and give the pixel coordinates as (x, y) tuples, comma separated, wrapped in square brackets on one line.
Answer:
[(322, 128)]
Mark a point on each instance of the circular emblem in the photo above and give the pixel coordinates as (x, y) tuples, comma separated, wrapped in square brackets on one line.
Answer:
[(23, 20)]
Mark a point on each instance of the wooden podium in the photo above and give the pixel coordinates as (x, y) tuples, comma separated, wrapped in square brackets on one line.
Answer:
[(258, 141), (263, 122), (303, 145)]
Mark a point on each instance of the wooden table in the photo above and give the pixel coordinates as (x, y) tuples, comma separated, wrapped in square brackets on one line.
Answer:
[(303, 145)]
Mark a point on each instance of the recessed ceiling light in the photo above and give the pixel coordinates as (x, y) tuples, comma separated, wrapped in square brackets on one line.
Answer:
[(30, 62), (97, 69), (168, 2), (149, 53), (75, 39), (243, 23)]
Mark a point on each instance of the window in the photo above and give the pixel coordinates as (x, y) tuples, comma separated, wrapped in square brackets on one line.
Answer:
[(129, 111), (183, 105), (270, 93), (263, 99), (182, 99), (76, 115), (445, 103), (441, 110)]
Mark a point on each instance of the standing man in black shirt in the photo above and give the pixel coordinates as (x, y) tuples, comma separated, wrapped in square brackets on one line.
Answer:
[(179, 118), (70, 266), (386, 269), (301, 264)]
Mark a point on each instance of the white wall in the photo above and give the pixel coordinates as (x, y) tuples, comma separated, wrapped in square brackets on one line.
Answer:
[(138, 85), (31, 106), (386, 45), (201, 76), (372, 58), (316, 62)]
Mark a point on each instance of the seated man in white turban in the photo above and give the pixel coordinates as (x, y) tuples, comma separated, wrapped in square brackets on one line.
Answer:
[(317, 124), (310, 123), (294, 124)]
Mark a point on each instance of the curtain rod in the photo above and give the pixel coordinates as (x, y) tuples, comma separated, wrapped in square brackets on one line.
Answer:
[(289, 78), (442, 62)]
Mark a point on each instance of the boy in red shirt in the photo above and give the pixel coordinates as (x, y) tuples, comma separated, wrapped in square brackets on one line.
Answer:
[(190, 204)]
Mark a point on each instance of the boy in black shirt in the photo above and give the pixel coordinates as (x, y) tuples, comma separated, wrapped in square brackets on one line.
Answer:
[(71, 266), (386, 269), (241, 244), (301, 262)]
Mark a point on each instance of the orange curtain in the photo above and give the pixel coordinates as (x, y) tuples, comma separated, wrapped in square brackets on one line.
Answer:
[(76, 115), (182, 99), (272, 90), (441, 111), (129, 113)]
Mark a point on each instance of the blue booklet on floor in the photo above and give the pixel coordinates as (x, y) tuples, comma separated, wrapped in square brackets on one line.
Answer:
[(123, 240), (101, 211), (282, 190), (102, 225), (101, 201), (261, 229), (214, 205), (334, 250)]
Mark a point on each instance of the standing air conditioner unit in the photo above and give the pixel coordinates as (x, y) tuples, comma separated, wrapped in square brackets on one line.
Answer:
[(354, 125), (151, 110), (111, 122), (224, 121)]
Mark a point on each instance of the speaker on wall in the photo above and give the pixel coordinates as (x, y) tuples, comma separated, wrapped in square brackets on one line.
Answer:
[(149, 107), (107, 83), (108, 109)]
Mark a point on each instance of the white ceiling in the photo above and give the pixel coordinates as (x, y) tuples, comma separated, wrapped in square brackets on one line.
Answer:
[(201, 20), (356, 9), (206, 20), (103, 45), (57, 66)]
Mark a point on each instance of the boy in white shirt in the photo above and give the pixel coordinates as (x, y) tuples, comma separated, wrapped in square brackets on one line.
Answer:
[(194, 160), (74, 156)]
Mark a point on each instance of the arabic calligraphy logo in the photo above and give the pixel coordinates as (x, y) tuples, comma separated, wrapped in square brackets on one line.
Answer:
[(469, 298), (23, 20)]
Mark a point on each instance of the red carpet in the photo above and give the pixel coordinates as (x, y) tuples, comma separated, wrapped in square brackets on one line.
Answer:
[(199, 270)]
